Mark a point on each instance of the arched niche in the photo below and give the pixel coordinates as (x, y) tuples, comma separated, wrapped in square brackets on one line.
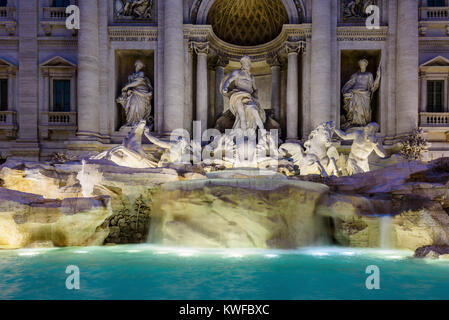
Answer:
[(200, 11), (125, 66)]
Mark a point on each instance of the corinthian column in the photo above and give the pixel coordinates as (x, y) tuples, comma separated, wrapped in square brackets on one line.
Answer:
[(275, 86), (173, 66), (221, 63), (202, 50), (321, 62), (407, 66), (292, 49), (88, 70)]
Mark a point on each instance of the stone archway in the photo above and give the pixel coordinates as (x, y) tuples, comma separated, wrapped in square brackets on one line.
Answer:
[(200, 11), (247, 22)]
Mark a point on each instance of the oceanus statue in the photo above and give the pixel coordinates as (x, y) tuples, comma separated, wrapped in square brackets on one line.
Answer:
[(240, 87)]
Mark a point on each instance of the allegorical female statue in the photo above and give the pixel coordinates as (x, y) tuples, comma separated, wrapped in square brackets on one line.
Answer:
[(136, 96), (240, 87), (358, 92)]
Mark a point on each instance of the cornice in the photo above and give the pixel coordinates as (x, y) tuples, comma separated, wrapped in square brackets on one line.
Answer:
[(351, 33), (133, 33), (289, 33)]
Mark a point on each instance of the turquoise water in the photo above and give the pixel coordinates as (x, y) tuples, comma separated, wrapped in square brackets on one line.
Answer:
[(151, 272)]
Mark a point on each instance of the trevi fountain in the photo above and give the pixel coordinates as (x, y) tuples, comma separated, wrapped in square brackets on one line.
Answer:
[(280, 213)]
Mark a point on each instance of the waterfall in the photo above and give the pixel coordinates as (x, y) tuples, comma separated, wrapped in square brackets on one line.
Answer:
[(385, 226), (88, 178)]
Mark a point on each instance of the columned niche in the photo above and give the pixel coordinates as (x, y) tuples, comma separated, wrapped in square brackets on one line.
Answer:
[(276, 66)]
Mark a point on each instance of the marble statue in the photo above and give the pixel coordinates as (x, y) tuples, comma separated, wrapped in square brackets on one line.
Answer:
[(130, 153), (175, 151), (136, 97), (365, 142), (318, 156), (139, 9), (358, 92), (240, 87)]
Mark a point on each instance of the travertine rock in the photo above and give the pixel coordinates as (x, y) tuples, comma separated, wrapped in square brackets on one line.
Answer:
[(27, 219), (414, 229), (433, 252), (237, 213)]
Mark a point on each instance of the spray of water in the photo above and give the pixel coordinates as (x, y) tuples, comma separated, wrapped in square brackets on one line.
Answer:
[(89, 176)]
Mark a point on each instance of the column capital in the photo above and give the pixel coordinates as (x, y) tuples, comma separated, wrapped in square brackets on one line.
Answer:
[(190, 47), (201, 47), (293, 47), (273, 61), (222, 61), (218, 61)]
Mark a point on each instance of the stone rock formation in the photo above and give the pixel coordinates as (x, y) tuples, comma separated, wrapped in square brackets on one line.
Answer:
[(433, 252), (27, 219), (404, 206), (237, 213)]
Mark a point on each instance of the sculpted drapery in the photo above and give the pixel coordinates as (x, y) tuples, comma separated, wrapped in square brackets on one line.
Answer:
[(136, 96), (240, 87), (357, 94)]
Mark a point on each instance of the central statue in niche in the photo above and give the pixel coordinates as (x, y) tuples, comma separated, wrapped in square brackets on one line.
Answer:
[(136, 97), (240, 87), (358, 93)]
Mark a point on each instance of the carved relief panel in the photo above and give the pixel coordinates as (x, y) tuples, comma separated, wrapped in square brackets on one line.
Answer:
[(354, 11), (134, 10)]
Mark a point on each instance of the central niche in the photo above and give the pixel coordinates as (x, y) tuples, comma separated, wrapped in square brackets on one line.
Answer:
[(247, 22)]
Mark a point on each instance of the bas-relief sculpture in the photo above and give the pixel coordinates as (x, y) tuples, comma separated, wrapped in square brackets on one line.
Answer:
[(358, 93), (138, 9), (364, 143), (136, 97)]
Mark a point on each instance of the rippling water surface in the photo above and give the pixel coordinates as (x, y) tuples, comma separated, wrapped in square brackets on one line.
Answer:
[(151, 272)]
